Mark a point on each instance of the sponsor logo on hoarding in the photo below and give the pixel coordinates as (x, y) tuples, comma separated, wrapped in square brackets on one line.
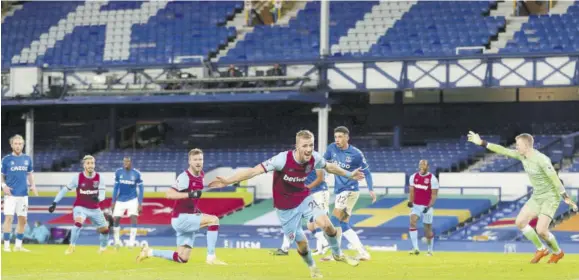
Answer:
[(241, 244)]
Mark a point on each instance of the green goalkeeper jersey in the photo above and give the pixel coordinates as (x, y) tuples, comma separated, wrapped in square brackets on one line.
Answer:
[(543, 177)]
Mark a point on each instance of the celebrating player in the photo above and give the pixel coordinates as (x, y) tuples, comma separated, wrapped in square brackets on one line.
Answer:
[(346, 190), (423, 193), (319, 191), (16, 170), (187, 219), (547, 193), (291, 197), (90, 190), (127, 180)]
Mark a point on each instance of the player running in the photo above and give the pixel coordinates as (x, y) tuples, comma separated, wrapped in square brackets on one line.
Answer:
[(346, 190), (16, 174), (90, 190), (423, 193), (291, 197), (319, 191), (187, 219), (127, 198), (547, 193)]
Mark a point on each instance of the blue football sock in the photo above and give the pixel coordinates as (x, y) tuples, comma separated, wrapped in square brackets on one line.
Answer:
[(20, 236), (307, 257), (414, 238), (345, 226), (75, 233), (6, 236), (211, 239), (335, 221), (103, 239)]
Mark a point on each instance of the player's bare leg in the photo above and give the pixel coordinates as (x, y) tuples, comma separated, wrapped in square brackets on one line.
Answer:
[(429, 238), (543, 232), (413, 233), (7, 229), (212, 224), (306, 254), (522, 221), (103, 238), (20, 227), (117, 232), (331, 234)]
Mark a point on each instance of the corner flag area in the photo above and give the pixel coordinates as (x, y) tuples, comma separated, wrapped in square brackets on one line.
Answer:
[(49, 263)]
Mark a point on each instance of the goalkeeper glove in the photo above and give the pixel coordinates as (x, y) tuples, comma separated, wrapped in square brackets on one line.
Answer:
[(195, 194), (426, 209), (52, 207), (474, 138), (410, 204)]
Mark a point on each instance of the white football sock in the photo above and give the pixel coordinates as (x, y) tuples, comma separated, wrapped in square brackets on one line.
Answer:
[(7, 244), (353, 238), (133, 236), (286, 243), (18, 243), (117, 234), (320, 240)]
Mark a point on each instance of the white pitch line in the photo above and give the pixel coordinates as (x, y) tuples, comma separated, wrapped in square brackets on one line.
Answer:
[(75, 272)]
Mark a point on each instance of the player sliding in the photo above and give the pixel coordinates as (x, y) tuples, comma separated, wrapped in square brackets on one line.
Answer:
[(547, 193), (347, 192), (423, 193), (319, 192), (90, 190), (16, 171), (126, 198), (291, 197), (187, 219)]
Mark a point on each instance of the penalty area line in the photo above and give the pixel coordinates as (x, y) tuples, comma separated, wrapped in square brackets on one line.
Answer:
[(74, 273)]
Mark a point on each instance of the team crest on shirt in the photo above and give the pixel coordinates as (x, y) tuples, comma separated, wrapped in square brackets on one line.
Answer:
[(82, 185), (26, 162), (308, 168), (95, 184), (132, 178), (121, 176), (348, 159), (427, 181), (12, 163)]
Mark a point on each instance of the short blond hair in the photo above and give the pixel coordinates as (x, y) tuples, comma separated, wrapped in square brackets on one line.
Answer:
[(16, 136), (195, 152), (527, 138), (87, 157), (304, 134)]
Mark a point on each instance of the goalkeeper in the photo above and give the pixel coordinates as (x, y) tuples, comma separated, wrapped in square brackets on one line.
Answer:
[(547, 193)]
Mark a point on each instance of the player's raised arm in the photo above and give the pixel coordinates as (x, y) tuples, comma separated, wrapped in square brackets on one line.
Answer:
[(335, 169), (475, 139), (319, 179), (275, 163), (177, 191)]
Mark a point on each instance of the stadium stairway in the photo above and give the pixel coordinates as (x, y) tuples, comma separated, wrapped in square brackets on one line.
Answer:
[(513, 24), (374, 24)]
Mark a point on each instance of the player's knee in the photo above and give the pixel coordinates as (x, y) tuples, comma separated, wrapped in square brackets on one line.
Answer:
[(543, 232), (520, 223), (103, 230), (8, 219), (311, 227)]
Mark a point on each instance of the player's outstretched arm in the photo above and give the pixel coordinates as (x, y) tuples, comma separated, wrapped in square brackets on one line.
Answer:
[(221, 182), (475, 139), (335, 169), (318, 181)]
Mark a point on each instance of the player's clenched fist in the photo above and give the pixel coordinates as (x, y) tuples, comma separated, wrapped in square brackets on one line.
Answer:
[(357, 175), (52, 207), (474, 138)]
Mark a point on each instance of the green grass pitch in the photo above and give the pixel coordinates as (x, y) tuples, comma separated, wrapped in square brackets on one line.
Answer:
[(49, 262)]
